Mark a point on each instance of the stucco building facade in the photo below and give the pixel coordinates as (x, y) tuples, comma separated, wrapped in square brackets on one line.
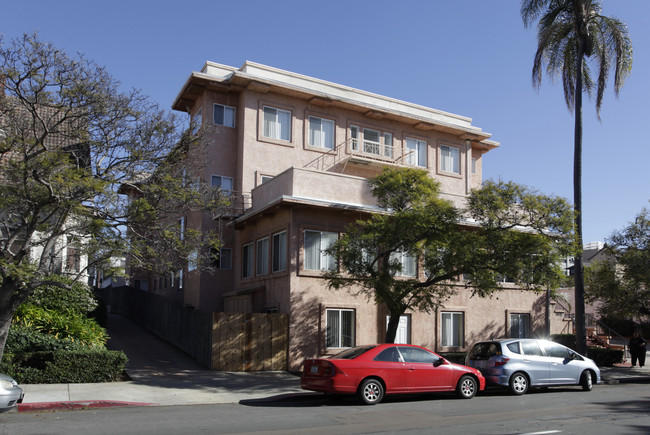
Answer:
[(295, 154)]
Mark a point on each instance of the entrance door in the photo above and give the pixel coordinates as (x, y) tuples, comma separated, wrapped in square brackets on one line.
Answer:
[(403, 329)]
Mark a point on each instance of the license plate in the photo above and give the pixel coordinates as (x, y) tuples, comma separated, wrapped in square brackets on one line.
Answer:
[(314, 369)]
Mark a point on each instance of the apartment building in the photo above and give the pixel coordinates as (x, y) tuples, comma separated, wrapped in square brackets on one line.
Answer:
[(295, 153)]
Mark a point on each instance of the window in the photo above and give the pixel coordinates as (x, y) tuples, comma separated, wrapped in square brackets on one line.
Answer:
[(449, 159), (555, 350), (452, 329), (192, 261), (279, 252), (321, 132), (180, 279), (354, 138), (374, 142), (316, 243), (223, 183), (519, 325), (531, 348), (265, 178), (417, 355), (340, 328), (473, 165), (408, 262), (416, 152), (197, 120), (223, 115), (181, 228), (277, 124), (221, 258), (262, 265), (247, 261)]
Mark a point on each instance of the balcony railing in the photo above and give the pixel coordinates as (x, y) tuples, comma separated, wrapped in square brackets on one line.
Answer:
[(371, 148)]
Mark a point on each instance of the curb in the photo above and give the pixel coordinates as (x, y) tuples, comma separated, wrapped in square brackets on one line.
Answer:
[(75, 405)]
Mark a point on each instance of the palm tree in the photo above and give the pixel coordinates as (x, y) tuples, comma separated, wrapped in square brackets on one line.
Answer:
[(573, 37)]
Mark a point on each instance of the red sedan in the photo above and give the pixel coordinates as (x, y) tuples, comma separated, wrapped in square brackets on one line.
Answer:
[(371, 371)]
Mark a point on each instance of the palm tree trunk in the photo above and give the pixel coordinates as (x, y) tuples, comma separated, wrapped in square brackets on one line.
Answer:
[(581, 332)]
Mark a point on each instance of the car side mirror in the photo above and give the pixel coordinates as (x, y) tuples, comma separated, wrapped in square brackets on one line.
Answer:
[(439, 362)]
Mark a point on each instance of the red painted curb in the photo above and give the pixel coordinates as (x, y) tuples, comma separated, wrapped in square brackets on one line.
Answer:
[(74, 405)]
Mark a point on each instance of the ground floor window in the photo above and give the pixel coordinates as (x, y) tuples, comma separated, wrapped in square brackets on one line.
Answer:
[(519, 325), (340, 328), (452, 326)]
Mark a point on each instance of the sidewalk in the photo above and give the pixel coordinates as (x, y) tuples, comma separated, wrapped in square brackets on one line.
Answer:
[(162, 375)]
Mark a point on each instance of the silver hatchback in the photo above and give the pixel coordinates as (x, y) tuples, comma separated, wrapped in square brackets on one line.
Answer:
[(520, 363)]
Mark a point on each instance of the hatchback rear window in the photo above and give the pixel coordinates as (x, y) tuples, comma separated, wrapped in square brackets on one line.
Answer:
[(485, 350)]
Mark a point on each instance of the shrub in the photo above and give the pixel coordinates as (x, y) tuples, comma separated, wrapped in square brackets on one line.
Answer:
[(69, 325), (605, 357), (77, 296), (65, 366), (27, 339)]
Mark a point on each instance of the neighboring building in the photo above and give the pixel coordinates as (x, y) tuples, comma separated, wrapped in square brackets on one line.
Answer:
[(295, 154)]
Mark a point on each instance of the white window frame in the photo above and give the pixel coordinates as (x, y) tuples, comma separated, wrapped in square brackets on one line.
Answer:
[(324, 241), (247, 261), (272, 123), (452, 328), (323, 137), (408, 262), (279, 246), (222, 182), (337, 335), (262, 257), (227, 116), (417, 152), (450, 159)]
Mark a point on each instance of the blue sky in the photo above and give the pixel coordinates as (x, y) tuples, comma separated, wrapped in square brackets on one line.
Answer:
[(470, 57)]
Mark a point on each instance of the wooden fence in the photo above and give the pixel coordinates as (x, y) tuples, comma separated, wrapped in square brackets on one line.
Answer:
[(220, 341)]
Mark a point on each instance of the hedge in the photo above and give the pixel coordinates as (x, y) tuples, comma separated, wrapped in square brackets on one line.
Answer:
[(58, 367)]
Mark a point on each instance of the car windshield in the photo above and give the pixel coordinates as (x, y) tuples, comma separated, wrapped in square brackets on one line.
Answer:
[(352, 353)]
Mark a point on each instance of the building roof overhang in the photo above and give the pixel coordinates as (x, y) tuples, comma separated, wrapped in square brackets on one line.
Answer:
[(264, 79)]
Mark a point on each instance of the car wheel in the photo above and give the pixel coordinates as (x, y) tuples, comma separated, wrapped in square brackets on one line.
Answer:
[(467, 387), (519, 384), (371, 391), (586, 381)]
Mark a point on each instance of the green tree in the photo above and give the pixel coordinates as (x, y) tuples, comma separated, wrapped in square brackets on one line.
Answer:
[(621, 282), (506, 230), (572, 39), (69, 140)]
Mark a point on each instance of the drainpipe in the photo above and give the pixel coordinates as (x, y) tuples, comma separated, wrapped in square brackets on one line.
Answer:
[(468, 165)]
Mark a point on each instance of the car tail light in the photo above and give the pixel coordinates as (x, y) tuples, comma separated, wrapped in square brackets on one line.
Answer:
[(501, 360)]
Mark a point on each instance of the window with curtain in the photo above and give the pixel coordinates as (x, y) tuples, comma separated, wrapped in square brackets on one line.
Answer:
[(262, 264), (277, 124), (408, 262), (340, 328), (452, 329), (519, 325), (316, 244), (449, 159), (224, 115), (417, 152), (279, 252), (247, 261), (321, 132)]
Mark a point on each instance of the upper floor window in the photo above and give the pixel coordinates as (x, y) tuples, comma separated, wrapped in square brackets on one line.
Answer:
[(221, 182), (416, 152), (316, 244), (277, 123), (407, 261), (373, 141), (192, 261), (279, 252), (262, 265), (321, 132), (221, 258), (247, 261), (224, 115), (197, 120), (449, 159)]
